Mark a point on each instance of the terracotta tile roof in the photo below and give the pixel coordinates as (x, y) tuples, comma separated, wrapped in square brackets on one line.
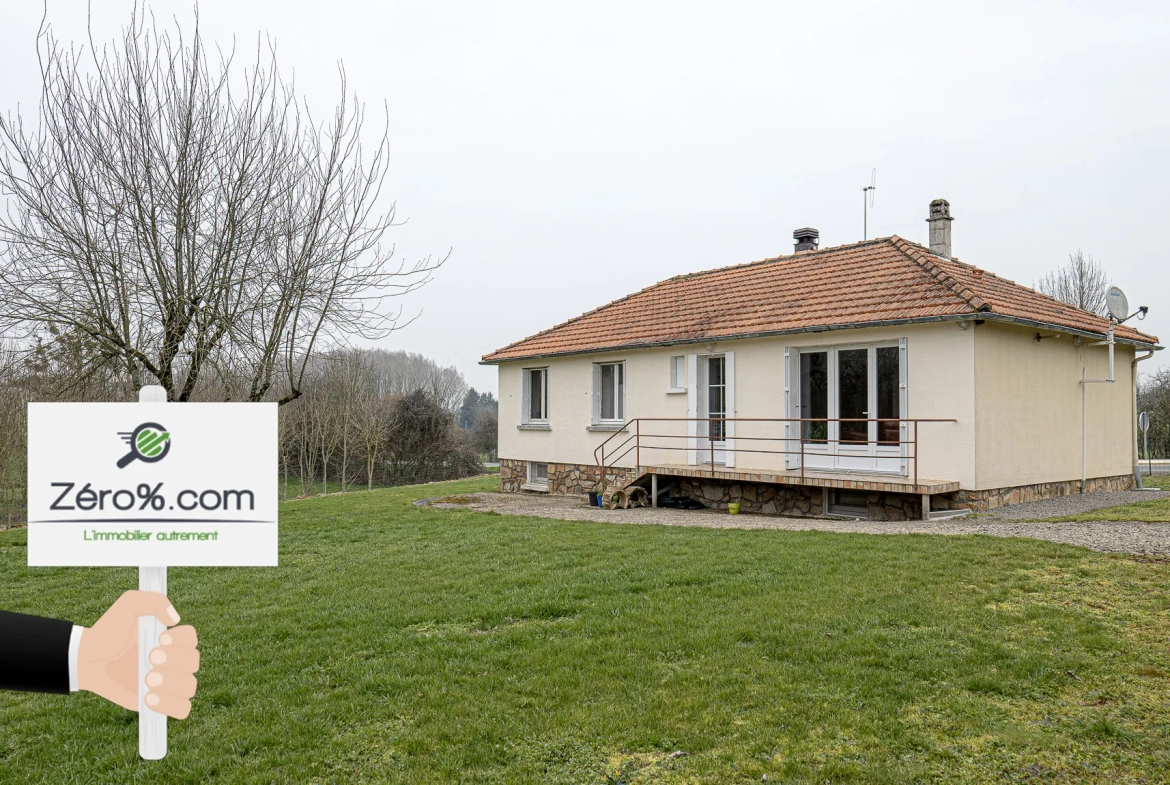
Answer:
[(883, 280)]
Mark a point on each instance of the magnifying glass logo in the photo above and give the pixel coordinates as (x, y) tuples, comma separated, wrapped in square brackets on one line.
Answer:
[(149, 443)]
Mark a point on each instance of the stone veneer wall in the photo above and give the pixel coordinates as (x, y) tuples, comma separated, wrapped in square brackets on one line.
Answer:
[(799, 500), (982, 501), (563, 478)]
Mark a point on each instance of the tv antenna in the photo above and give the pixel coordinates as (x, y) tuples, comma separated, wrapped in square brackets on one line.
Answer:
[(866, 203)]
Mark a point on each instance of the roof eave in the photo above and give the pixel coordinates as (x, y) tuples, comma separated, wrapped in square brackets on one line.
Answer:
[(959, 317)]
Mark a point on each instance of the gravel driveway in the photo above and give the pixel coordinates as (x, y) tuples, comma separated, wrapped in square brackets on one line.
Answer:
[(1140, 538), (1072, 505)]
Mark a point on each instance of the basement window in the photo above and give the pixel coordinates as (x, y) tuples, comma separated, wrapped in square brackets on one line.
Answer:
[(537, 477), (852, 504)]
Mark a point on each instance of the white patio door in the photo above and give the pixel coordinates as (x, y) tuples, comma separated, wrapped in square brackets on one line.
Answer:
[(713, 407), (711, 399), (850, 387)]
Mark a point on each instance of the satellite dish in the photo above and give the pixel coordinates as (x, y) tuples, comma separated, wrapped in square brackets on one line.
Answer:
[(1117, 303)]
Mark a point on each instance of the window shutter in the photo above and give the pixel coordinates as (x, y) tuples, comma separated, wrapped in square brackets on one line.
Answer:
[(544, 395), (621, 392), (595, 411), (903, 404), (525, 386), (729, 426), (790, 461)]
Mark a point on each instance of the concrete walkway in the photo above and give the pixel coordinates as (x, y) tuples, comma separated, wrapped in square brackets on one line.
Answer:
[(1129, 537)]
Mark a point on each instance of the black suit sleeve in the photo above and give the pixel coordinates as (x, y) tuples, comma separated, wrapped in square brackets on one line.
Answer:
[(34, 653)]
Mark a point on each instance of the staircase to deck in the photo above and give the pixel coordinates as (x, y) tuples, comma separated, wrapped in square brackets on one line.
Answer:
[(638, 442)]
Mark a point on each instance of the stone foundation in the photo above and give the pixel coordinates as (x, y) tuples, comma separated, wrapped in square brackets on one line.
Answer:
[(982, 501), (798, 500), (570, 479)]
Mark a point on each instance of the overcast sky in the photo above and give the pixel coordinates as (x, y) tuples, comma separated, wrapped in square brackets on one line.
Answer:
[(569, 154)]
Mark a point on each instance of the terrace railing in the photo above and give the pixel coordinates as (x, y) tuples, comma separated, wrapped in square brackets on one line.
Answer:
[(641, 434)]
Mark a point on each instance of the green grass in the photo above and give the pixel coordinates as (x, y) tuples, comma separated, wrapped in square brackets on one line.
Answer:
[(296, 490), (1153, 511), (1157, 481), (413, 645)]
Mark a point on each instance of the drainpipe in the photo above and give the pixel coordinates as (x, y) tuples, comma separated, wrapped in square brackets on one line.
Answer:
[(1137, 472), (1085, 405)]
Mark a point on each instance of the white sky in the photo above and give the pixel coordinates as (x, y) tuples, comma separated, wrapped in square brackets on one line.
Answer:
[(572, 154)]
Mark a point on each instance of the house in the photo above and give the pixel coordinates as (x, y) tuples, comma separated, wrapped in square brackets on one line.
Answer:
[(882, 379)]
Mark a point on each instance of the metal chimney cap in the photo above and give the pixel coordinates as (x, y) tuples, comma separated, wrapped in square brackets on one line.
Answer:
[(807, 233)]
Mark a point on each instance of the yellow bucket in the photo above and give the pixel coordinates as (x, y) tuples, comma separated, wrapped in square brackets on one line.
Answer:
[(733, 508)]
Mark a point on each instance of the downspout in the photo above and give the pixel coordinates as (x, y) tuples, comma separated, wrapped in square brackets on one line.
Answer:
[(1085, 405), (1137, 472)]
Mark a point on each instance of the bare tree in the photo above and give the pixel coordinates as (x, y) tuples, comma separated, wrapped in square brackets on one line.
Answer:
[(183, 221), (402, 373), (372, 423), (485, 432), (1081, 283), (1154, 399)]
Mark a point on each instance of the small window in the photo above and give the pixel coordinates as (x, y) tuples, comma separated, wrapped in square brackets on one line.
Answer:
[(535, 396), (678, 373), (537, 473), (854, 504), (609, 393)]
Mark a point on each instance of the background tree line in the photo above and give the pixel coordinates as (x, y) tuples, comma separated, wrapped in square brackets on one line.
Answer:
[(1154, 399), (173, 215), (364, 417)]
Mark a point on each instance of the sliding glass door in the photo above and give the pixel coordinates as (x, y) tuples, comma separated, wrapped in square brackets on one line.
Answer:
[(850, 387)]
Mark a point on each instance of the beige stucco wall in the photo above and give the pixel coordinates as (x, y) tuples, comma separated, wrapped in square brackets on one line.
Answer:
[(1028, 408), (940, 384)]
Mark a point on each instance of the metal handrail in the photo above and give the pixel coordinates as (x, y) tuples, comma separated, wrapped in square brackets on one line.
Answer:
[(633, 441)]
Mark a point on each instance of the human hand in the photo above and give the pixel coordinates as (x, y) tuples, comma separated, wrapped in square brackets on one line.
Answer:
[(107, 658)]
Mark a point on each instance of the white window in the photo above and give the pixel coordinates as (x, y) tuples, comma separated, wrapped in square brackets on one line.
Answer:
[(538, 474), (678, 374), (535, 395), (609, 393)]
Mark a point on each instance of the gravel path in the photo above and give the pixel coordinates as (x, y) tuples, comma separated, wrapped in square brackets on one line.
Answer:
[(1140, 538), (1072, 505)]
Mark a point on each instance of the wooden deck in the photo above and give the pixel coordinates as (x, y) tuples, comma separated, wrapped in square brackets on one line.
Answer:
[(859, 481)]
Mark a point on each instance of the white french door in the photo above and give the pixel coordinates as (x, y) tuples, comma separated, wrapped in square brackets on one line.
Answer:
[(713, 407), (850, 386)]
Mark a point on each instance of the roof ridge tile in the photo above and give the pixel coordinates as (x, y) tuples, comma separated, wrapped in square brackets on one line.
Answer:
[(912, 252)]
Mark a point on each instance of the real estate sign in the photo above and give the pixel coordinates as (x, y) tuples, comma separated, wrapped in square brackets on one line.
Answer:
[(136, 484)]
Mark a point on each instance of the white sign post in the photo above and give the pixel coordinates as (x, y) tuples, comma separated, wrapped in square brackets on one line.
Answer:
[(1144, 424), (152, 485)]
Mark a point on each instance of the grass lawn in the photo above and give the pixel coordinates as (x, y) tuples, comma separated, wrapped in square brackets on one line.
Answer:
[(1157, 481), (1154, 511), (413, 645)]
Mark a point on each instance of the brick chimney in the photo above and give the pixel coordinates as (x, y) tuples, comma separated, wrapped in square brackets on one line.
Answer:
[(807, 239), (940, 228)]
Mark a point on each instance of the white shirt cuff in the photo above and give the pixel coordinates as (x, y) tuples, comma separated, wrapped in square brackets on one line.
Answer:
[(74, 649)]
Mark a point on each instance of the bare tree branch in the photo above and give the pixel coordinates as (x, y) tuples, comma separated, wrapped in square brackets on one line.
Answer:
[(176, 216), (1081, 283)]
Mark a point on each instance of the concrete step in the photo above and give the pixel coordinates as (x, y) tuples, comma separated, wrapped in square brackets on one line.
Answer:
[(942, 515)]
